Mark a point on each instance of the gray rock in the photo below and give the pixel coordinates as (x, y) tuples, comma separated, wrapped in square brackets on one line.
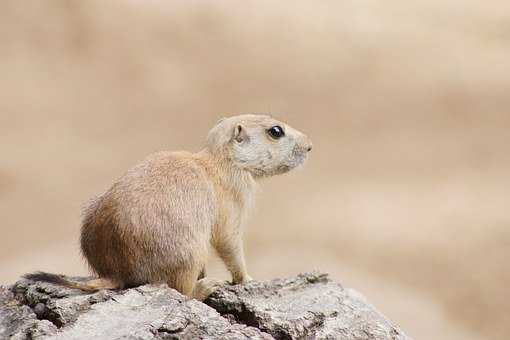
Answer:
[(308, 306)]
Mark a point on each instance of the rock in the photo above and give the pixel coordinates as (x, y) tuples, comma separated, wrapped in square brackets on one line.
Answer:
[(308, 306)]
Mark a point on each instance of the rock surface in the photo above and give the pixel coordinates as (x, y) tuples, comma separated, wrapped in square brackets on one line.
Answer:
[(309, 306)]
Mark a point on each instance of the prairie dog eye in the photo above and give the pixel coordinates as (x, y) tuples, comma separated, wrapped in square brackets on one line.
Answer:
[(276, 132)]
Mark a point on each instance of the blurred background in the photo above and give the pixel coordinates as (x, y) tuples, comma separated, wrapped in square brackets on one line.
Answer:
[(406, 194)]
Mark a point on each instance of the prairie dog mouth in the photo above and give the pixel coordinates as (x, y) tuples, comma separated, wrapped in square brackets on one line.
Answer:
[(300, 156), (297, 159)]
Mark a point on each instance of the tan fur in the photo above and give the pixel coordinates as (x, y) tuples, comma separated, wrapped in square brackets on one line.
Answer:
[(158, 221), (93, 285)]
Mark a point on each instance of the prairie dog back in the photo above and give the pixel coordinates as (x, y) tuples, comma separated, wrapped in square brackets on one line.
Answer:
[(164, 205)]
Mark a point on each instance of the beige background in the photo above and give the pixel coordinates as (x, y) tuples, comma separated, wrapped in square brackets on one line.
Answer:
[(405, 197)]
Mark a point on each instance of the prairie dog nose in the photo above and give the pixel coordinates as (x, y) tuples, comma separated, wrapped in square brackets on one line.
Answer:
[(306, 144)]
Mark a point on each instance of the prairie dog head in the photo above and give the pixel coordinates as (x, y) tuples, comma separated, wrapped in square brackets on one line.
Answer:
[(259, 144)]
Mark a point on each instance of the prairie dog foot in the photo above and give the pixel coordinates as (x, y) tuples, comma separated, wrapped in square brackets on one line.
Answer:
[(206, 287), (246, 278)]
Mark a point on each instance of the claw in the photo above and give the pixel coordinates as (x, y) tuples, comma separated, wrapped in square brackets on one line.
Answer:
[(244, 279)]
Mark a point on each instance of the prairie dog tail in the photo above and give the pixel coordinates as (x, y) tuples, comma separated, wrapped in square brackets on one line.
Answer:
[(62, 280)]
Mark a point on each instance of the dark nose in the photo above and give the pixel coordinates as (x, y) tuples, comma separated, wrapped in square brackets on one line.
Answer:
[(307, 145)]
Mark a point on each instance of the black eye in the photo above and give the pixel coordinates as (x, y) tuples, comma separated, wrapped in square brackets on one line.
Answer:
[(276, 132)]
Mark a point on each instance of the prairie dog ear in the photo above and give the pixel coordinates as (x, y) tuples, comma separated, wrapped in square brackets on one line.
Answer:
[(221, 120), (239, 133)]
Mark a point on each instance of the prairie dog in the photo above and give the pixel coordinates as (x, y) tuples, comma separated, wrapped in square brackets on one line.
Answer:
[(158, 222)]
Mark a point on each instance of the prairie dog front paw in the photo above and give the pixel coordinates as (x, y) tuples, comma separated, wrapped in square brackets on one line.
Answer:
[(243, 279)]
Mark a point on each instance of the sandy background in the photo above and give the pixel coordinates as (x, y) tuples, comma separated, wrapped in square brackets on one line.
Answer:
[(405, 197)]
